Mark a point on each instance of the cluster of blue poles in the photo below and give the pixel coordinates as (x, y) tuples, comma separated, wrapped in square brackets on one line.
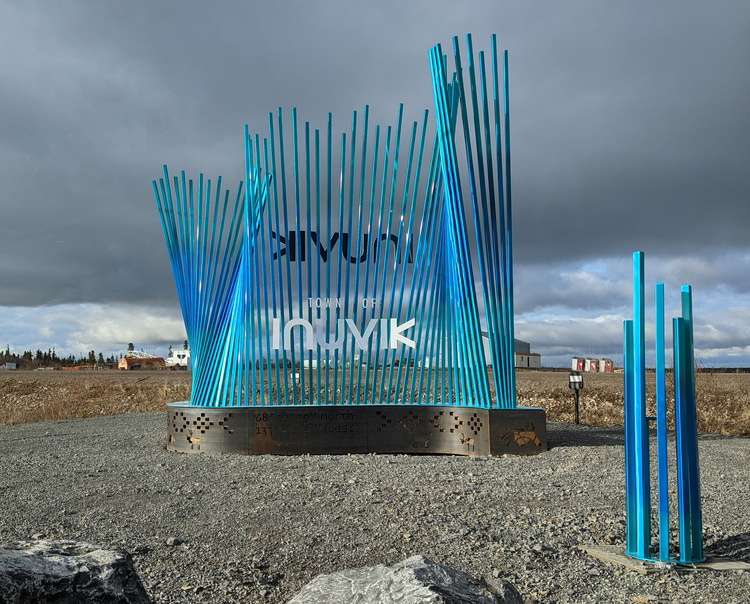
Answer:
[(238, 278), (637, 457)]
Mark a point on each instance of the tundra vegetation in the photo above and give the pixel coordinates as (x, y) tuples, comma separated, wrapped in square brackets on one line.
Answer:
[(722, 398)]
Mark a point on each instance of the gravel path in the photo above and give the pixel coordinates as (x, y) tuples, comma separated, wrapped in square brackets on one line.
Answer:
[(226, 528)]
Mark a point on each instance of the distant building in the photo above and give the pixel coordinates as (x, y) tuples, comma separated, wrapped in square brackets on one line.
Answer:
[(522, 355), (9, 366), (529, 360), (592, 365)]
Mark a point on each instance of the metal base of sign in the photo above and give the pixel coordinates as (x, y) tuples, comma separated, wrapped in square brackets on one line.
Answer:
[(325, 430)]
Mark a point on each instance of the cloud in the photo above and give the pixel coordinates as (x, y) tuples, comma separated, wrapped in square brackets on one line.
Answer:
[(629, 128), (77, 328)]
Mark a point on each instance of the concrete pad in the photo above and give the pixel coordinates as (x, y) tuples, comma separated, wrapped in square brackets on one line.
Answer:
[(616, 555)]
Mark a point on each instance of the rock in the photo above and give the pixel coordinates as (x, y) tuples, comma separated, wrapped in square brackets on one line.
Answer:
[(67, 572), (416, 580)]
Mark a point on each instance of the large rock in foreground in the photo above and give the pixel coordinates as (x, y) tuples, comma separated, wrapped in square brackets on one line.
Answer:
[(416, 580), (67, 572)]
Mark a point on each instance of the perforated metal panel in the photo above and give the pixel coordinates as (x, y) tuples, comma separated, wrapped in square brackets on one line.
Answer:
[(311, 429)]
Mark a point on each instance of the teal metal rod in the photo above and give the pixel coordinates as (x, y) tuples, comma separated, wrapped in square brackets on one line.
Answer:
[(661, 424)]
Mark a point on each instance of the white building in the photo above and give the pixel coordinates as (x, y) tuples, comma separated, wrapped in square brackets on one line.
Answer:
[(522, 355)]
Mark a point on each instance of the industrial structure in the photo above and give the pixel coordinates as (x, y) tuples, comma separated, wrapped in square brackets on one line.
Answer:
[(135, 359)]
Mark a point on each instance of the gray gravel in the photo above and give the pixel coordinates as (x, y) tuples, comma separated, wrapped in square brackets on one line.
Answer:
[(226, 528)]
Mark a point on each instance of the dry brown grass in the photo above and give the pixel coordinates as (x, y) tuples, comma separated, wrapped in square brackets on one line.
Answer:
[(723, 399), (31, 396)]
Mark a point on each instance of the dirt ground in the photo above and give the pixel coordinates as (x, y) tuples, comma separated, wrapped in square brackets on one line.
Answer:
[(722, 399)]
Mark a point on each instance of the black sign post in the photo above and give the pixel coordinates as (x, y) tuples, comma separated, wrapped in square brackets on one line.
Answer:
[(576, 384)]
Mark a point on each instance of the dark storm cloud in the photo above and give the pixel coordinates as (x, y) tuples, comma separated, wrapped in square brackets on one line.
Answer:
[(630, 130)]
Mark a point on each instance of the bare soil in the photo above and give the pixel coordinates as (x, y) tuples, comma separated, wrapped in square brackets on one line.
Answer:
[(722, 399)]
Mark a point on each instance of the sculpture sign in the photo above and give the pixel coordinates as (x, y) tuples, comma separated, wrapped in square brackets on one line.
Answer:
[(359, 271)]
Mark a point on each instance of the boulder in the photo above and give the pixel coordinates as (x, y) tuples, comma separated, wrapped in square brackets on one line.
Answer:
[(416, 580), (67, 572)]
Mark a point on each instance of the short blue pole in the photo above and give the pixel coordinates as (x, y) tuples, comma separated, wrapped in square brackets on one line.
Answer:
[(631, 532)]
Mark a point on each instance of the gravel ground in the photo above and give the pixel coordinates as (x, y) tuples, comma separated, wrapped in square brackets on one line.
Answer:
[(226, 528)]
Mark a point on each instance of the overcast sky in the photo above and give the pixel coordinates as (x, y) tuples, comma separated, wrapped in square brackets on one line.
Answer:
[(630, 130)]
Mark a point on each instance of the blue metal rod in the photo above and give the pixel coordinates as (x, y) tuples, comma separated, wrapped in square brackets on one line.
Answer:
[(689, 438), (405, 361), (365, 289), (354, 386), (285, 279), (510, 311), (494, 329), (399, 266), (376, 263), (247, 290), (329, 172), (342, 181), (346, 388), (278, 311), (311, 383), (298, 272), (681, 439), (271, 210), (479, 207), (503, 375), (391, 199), (661, 425), (631, 504), (317, 256), (640, 424), (287, 264)]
